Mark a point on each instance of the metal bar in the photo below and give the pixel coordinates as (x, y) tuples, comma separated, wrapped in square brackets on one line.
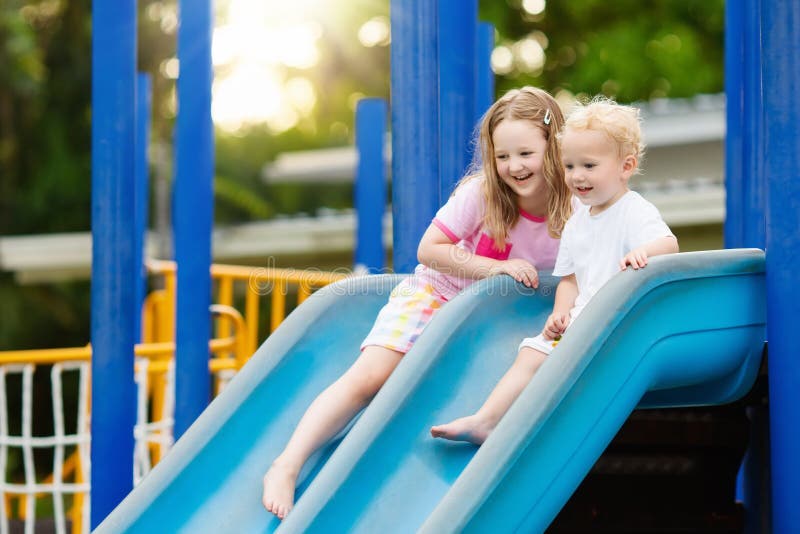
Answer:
[(458, 26), (751, 223), (171, 290), (141, 193), (193, 214), (278, 305), (734, 95), (415, 125), (113, 295), (484, 75), (251, 317), (225, 297), (753, 189), (370, 183), (780, 23)]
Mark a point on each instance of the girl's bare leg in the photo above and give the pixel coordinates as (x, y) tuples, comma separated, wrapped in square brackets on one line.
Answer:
[(477, 427), (330, 412)]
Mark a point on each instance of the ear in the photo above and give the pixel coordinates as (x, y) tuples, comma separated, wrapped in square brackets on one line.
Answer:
[(629, 165)]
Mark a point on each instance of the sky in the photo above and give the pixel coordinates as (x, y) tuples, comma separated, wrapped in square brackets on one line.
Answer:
[(254, 42)]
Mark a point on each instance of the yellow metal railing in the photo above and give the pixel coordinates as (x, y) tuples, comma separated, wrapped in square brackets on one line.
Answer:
[(252, 283)]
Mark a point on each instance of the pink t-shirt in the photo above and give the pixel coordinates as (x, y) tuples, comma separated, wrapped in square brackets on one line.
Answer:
[(461, 220)]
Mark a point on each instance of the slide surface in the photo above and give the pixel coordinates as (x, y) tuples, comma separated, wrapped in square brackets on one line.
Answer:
[(686, 330), (211, 479)]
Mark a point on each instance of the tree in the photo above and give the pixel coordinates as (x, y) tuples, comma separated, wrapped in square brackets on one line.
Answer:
[(627, 49)]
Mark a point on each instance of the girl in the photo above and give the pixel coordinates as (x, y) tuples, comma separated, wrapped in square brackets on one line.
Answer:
[(615, 227), (506, 218)]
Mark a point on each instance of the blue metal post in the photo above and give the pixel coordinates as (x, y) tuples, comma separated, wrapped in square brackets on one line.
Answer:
[(780, 23), (458, 26), (484, 75), (734, 145), (193, 211), (370, 183), (142, 194), (753, 188), (746, 204), (415, 125), (113, 269)]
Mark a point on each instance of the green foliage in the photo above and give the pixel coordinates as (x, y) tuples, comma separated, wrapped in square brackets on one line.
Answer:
[(231, 197), (43, 315), (627, 49), (45, 128)]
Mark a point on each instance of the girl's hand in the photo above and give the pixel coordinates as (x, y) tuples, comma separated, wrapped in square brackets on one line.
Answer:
[(520, 270), (556, 324), (636, 258)]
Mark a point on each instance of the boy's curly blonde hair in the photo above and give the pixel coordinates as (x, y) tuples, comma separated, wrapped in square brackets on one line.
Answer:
[(622, 124)]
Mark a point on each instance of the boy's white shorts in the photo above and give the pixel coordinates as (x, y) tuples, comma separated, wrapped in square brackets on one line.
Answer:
[(539, 343)]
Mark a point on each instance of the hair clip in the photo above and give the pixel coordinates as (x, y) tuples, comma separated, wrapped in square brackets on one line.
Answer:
[(547, 116)]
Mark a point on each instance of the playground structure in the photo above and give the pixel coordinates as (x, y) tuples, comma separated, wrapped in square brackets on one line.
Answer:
[(387, 473), (760, 188), (237, 334)]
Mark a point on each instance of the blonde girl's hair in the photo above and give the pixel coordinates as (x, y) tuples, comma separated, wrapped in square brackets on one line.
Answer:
[(502, 211), (622, 124)]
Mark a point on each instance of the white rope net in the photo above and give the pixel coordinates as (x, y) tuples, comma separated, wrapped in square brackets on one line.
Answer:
[(53, 490), (153, 437), (44, 483)]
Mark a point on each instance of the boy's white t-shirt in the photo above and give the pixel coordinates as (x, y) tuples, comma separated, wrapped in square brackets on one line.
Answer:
[(593, 245)]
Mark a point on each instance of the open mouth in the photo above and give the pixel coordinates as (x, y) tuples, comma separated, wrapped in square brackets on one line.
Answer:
[(522, 178), (582, 190)]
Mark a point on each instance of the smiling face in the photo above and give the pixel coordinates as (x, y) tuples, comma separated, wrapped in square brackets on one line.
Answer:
[(519, 148), (594, 170)]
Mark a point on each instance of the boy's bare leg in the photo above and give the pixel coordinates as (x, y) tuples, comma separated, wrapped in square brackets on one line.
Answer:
[(330, 412), (477, 427)]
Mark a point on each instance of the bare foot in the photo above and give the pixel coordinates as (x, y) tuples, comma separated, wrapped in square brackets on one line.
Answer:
[(279, 482), (471, 428)]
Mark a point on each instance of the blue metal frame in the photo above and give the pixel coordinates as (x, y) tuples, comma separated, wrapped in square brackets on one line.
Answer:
[(746, 202), (781, 107), (753, 190), (734, 137), (756, 119), (458, 20), (142, 192), (370, 183), (193, 212), (484, 75), (113, 259), (415, 125)]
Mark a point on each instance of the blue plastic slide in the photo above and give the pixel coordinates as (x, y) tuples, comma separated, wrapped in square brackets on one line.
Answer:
[(211, 480), (688, 329)]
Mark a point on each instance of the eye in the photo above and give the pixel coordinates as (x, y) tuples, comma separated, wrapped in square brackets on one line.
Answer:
[(590, 165), (501, 156), (568, 166)]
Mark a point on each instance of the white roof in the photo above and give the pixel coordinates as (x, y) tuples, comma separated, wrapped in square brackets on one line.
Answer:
[(666, 122)]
